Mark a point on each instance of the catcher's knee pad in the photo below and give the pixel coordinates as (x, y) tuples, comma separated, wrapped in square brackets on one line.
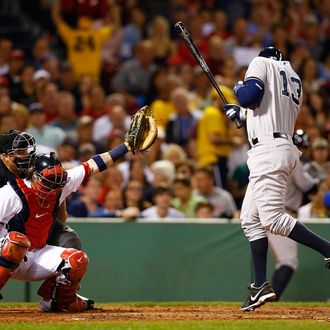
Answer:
[(13, 249), (60, 292), (75, 264)]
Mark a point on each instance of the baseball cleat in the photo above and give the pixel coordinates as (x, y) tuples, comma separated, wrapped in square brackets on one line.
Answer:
[(258, 297)]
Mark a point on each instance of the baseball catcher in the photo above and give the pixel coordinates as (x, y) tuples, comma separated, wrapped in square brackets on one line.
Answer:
[(28, 210)]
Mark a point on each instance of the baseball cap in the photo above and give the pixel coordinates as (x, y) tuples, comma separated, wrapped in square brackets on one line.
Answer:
[(41, 74), (36, 107), (16, 54), (320, 143)]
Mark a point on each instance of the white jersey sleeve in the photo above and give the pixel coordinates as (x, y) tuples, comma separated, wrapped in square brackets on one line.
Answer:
[(10, 203), (257, 69), (76, 176)]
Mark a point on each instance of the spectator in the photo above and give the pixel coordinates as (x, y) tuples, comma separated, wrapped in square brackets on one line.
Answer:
[(67, 82), (239, 38), (40, 50), (66, 119), (204, 210), (133, 195), (83, 44), (85, 152), (48, 97), (162, 209), (162, 106), (215, 54), (213, 140), (180, 125), (44, 134), (116, 117), (21, 114), (113, 207), (111, 178), (16, 62), (7, 122), (185, 200), (97, 104), (133, 32), (26, 92), (320, 152), (159, 35), (133, 76), (175, 154), (163, 173), (85, 133), (87, 202), (220, 25), (67, 153), (222, 200)]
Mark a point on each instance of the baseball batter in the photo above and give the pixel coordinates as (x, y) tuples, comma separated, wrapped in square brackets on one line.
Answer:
[(270, 98)]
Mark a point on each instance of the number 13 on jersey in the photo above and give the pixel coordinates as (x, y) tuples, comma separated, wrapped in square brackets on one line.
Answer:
[(295, 96)]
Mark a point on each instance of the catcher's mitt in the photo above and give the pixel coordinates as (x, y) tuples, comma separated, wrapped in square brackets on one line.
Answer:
[(142, 131)]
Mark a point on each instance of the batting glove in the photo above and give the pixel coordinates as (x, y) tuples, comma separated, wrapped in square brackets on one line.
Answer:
[(232, 111), (237, 87)]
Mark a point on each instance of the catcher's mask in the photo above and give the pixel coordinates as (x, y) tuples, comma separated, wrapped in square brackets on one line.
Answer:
[(272, 52), (300, 139), (21, 147), (48, 178)]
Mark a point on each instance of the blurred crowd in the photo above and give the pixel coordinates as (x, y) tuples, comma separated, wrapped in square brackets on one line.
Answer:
[(89, 64)]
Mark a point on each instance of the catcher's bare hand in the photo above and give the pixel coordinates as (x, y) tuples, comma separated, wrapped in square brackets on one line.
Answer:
[(142, 132)]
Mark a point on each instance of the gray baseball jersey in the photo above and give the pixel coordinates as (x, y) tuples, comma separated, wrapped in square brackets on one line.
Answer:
[(275, 114)]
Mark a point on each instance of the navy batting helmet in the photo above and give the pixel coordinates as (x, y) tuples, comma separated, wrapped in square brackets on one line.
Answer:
[(271, 52), (300, 139)]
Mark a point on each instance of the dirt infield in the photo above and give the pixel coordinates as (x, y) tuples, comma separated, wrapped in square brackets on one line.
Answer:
[(123, 313)]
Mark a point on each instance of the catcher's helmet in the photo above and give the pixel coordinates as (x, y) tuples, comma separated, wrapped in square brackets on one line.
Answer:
[(21, 146), (300, 139), (48, 178), (271, 52)]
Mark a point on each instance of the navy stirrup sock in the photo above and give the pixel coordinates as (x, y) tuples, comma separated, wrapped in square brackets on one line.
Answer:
[(301, 234), (281, 278), (259, 249)]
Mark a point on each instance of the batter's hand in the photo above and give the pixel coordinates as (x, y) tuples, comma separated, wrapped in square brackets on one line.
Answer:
[(233, 111)]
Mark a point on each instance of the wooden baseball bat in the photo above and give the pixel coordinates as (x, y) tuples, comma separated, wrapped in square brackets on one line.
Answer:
[(183, 32)]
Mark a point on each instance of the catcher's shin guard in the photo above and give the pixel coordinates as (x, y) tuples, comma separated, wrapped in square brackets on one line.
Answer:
[(60, 292), (12, 251)]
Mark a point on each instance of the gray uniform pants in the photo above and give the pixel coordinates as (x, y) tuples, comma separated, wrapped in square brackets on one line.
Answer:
[(270, 162)]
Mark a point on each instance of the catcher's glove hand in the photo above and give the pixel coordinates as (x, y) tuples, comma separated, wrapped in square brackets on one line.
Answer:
[(142, 131)]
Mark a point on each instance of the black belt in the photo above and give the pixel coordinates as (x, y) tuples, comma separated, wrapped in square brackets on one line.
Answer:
[(276, 135)]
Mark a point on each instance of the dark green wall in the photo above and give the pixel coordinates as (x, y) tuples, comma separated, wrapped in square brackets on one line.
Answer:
[(177, 262)]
